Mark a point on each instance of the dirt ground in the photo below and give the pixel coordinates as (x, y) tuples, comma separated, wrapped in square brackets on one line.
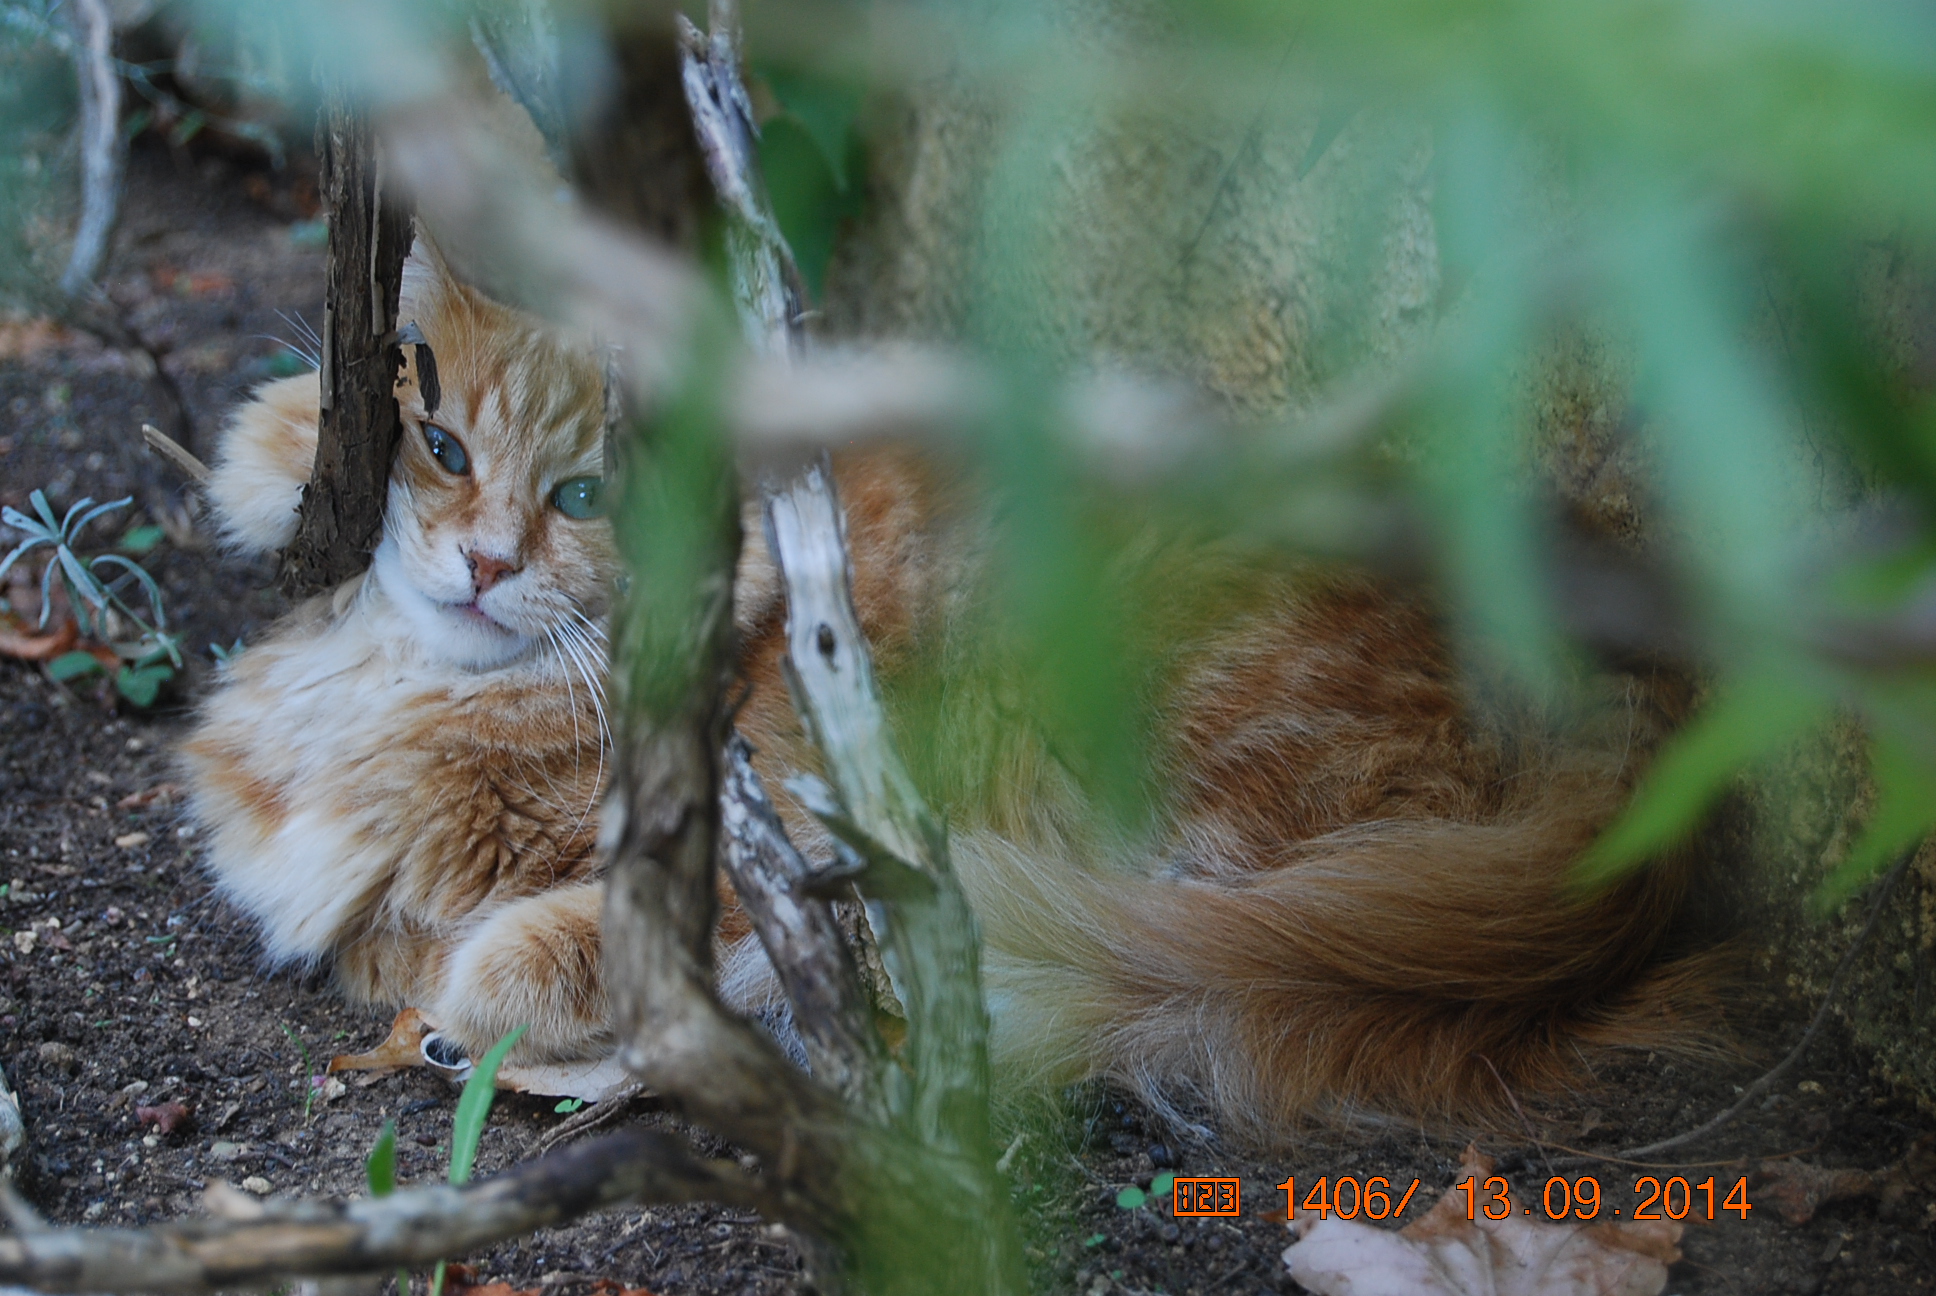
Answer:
[(127, 985)]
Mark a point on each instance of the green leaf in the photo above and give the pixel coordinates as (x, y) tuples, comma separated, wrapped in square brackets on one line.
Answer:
[(568, 1105), (809, 202), (381, 1172), (142, 684), (74, 665), (381, 1168), (1094, 1240), (1764, 709), (1905, 813), (474, 1108), (1163, 1184), (139, 540), (825, 110), (1131, 1197)]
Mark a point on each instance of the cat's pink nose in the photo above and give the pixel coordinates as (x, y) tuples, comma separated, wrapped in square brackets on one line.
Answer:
[(487, 571)]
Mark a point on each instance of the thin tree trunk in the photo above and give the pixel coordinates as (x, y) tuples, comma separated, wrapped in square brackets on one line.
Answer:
[(103, 148), (369, 237)]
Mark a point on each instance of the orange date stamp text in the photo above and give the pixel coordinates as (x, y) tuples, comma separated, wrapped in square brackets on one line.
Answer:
[(1204, 1197)]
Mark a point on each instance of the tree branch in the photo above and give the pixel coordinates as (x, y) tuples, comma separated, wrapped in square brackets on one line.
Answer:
[(264, 1241), (831, 1007), (766, 284), (369, 237), (931, 944), (102, 147)]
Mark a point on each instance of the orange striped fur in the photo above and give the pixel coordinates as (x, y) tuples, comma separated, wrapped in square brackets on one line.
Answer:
[(1350, 889)]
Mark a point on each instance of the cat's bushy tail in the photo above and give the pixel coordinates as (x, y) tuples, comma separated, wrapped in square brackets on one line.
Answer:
[(268, 449), (1406, 967)]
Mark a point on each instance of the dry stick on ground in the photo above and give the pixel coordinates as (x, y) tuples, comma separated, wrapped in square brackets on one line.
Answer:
[(103, 157), (171, 450), (369, 236), (1782, 1068), (1787, 1064), (255, 1243)]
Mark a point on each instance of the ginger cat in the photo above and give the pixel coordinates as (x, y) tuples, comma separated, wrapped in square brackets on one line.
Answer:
[(1351, 889)]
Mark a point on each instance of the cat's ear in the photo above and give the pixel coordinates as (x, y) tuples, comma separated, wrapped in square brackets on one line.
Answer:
[(427, 282)]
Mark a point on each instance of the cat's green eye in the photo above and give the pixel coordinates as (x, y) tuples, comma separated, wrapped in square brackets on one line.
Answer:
[(447, 450), (581, 497)]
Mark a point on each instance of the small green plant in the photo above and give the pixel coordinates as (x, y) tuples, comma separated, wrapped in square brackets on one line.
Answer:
[(467, 1131), (381, 1172), (153, 655), (308, 1071), (1133, 1198), (568, 1105)]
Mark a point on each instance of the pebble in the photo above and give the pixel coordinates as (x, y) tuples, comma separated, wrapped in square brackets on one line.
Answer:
[(56, 1054), (257, 1185), (223, 1150), (130, 841)]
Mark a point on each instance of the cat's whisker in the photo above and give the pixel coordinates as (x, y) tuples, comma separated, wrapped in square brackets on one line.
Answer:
[(586, 653), (593, 684), (571, 693)]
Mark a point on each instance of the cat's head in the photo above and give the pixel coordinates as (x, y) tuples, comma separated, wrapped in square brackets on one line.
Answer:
[(494, 536)]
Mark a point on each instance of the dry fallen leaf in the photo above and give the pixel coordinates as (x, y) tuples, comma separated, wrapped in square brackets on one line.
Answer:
[(165, 1117), (1798, 1189), (16, 640), (592, 1081), (162, 792), (404, 1048), (23, 339), (1445, 1254)]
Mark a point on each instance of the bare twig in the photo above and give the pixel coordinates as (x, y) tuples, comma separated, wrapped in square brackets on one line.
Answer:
[(171, 450), (1787, 1064), (519, 45), (932, 943), (102, 146), (595, 1117), (766, 284), (255, 1242), (831, 1008)]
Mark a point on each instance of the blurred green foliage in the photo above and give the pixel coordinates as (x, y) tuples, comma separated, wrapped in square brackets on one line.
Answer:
[(38, 104), (813, 161), (1735, 201)]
